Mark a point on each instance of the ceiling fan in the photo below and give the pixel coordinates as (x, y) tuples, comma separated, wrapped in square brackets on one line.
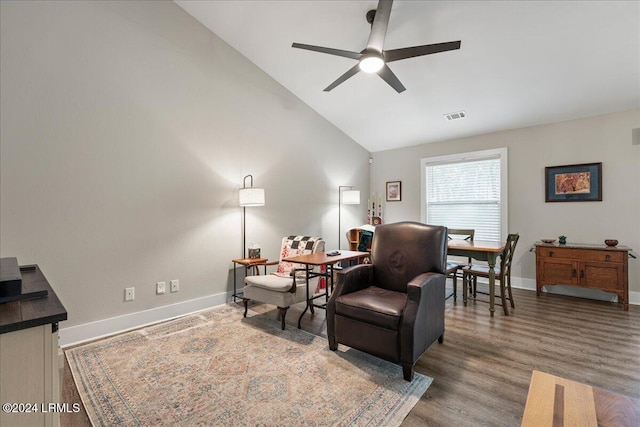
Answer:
[(373, 59)]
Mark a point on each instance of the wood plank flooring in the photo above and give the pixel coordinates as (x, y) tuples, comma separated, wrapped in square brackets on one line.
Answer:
[(482, 370)]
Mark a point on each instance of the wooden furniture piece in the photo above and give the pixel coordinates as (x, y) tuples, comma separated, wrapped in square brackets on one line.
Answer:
[(354, 238), (453, 266), (585, 266), (503, 273), (29, 355), (248, 264), (322, 259), (482, 251), (554, 401)]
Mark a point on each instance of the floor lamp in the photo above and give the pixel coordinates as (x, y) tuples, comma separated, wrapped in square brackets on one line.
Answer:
[(248, 196), (348, 197)]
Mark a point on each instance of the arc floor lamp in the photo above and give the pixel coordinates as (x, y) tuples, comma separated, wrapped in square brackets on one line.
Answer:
[(348, 197), (248, 196)]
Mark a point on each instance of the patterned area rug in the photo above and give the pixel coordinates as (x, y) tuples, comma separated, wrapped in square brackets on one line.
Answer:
[(217, 368)]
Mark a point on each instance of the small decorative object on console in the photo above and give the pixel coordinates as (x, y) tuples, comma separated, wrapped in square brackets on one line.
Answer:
[(562, 239), (547, 240), (611, 242)]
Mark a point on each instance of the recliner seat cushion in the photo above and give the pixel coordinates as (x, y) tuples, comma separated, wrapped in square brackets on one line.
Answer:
[(373, 305)]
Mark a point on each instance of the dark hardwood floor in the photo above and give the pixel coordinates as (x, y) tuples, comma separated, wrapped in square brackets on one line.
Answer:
[(482, 370)]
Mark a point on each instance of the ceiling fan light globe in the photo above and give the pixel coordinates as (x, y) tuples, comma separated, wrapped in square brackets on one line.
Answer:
[(371, 64)]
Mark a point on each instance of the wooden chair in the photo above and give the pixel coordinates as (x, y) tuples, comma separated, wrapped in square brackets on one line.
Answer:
[(453, 269), (502, 273)]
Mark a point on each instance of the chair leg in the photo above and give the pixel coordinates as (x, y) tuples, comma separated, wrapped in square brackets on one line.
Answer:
[(333, 344), (407, 371), (455, 285), (465, 284), (508, 281), (282, 311), (503, 297), (245, 301)]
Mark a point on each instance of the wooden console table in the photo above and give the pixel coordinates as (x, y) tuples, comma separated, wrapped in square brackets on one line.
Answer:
[(586, 266)]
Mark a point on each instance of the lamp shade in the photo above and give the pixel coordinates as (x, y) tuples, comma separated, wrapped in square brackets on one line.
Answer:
[(251, 196), (351, 197)]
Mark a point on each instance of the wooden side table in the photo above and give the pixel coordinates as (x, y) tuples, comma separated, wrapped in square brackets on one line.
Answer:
[(248, 263)]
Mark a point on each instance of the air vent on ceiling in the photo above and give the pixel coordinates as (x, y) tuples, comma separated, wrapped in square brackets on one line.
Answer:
[(455, 116)]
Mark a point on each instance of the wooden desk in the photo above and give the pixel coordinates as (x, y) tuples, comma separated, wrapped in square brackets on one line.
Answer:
[(322, 259), (555, 402), (482, 251)]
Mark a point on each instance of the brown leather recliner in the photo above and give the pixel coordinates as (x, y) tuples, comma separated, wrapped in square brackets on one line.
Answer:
[(393, 308)]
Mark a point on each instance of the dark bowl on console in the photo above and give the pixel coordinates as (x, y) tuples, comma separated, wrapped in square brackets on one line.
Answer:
[(611, 242)]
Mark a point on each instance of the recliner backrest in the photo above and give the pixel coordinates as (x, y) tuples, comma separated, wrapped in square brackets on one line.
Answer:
[(401, 251)]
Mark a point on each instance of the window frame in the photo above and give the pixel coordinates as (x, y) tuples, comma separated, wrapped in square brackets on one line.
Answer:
[(461, 157)]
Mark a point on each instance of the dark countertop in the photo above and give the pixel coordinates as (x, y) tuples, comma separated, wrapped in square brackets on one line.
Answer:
[(29, 313)]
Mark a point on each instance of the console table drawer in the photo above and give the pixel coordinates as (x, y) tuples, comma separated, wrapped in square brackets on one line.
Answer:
[(584, 254)]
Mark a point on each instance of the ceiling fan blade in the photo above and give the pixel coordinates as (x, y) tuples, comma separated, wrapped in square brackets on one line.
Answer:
[(330, 51), (379, 26), (388, 76), (352, 71), (410, 52)]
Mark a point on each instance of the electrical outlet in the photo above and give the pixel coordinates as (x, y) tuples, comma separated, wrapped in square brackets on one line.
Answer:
[(161, 288), (175, 285), (129, 294)]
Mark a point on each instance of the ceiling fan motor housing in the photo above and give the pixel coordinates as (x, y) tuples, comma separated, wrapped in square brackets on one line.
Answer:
[(370, 15)]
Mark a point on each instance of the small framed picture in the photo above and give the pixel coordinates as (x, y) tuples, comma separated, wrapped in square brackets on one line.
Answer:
[(573, 183), (394, 191)]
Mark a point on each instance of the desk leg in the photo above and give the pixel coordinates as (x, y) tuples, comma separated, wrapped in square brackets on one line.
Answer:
[(234, 282), (308, 300)]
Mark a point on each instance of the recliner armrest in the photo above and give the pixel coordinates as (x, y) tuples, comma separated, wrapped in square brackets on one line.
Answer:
[(352, 279), (423, 319)]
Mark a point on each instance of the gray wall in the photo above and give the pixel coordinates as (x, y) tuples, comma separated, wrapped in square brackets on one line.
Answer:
[(605, 139), (126, 130)]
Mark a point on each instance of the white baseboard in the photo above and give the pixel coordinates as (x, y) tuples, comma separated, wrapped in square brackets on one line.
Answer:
[(530, 284), (102, 328)]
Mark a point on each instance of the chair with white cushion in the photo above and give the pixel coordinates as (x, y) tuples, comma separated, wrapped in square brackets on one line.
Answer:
[(287, 285)]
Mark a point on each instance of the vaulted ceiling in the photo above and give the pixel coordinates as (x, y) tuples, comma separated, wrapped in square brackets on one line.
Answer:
[(521, 63)]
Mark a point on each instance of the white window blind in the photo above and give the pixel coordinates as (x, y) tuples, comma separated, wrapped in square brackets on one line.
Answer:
[(465, 193)]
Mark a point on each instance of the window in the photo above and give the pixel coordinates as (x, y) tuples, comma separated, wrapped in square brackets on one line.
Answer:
[(467, 190)]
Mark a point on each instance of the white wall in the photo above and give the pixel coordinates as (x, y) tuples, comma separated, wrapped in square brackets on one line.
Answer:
[(605, 139), (126, 130)]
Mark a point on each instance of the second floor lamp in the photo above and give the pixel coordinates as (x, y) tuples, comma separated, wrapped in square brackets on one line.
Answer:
[(349, 197), (248, 196)]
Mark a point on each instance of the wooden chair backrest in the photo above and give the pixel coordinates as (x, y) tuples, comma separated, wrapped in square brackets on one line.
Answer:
[(464, 233), (507, 255)]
